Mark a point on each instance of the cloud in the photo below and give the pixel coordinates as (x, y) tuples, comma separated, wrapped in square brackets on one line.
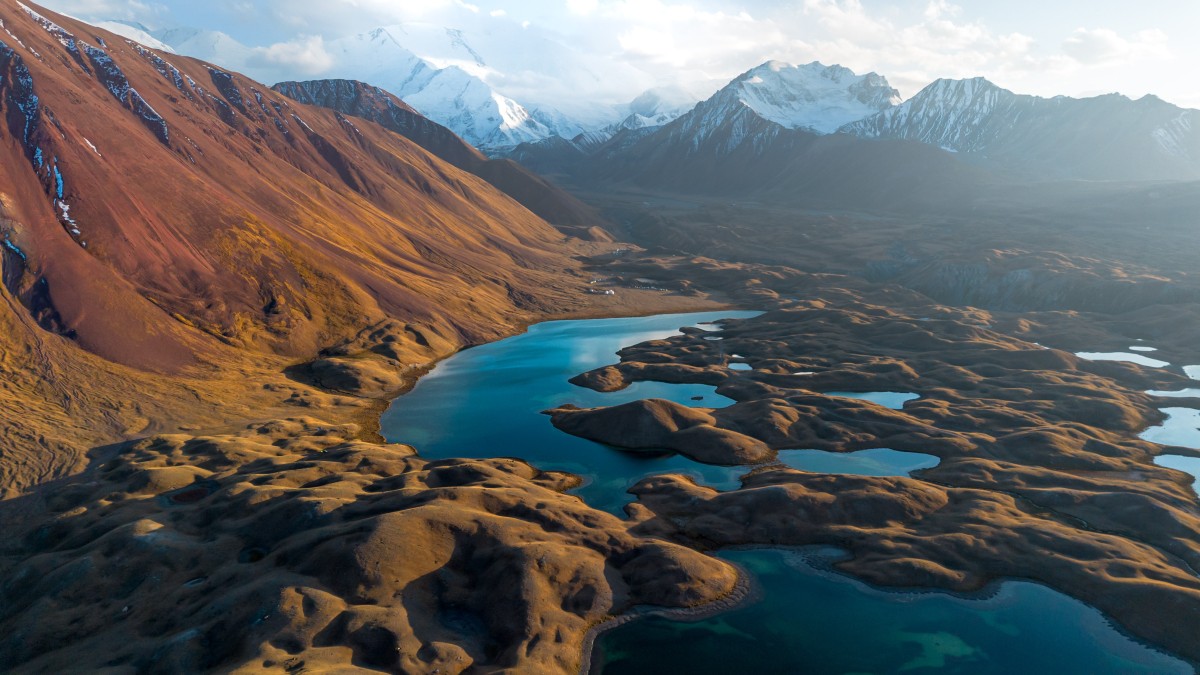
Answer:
[(1102, 45), (582, 7), (305, 55), (132, 10), (937, 43), (701, 44)]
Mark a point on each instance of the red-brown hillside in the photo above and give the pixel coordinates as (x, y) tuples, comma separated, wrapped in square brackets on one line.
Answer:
[(535, 193), (153, 202)]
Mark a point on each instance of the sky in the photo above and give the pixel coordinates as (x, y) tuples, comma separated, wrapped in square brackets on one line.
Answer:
[(1043, 47)]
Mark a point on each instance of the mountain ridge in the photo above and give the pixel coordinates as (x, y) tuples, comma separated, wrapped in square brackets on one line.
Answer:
[(1108, 137), (370, 102)]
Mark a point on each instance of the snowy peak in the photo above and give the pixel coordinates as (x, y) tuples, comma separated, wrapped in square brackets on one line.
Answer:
[(451, 95), (656, 107), (777, 98), (1107, 137), (947, 90), (475, 111), (813, 97), (946, 113)]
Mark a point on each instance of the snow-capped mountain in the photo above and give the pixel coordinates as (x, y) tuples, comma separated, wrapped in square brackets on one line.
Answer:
[(450, 95), (766, 135), (658, 106), (447, 87), (813, 97), (1106, 137), (651, 109), (772, 109), (763, 102)]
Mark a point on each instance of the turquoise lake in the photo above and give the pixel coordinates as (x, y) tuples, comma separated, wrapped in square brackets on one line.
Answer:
[(888, 399), (487, 402)]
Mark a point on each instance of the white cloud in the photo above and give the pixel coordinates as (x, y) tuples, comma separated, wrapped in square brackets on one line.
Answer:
[(1102, 45), (582, 7), (305, 55), (132, 10)]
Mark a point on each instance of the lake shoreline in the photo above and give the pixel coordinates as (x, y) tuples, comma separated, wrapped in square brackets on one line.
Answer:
[(747, 591)]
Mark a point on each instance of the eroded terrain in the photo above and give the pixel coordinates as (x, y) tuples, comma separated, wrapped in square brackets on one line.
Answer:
[(1042, 473)]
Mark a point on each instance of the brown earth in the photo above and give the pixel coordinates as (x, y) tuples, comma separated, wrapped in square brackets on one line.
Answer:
[(289, 545)]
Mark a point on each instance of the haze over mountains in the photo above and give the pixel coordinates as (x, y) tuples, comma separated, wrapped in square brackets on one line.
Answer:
[(440, 72)]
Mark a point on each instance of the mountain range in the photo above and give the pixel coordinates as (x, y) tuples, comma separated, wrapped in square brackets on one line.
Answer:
[(443, 72), (1102, 138), (445, 82), (822, 134)]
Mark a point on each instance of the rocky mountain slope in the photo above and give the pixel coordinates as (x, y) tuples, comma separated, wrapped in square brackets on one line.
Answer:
[(1102, 138), (184, 182), (369, 102)]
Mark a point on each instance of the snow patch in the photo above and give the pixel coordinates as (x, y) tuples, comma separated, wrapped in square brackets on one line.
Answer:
[(64, 37)]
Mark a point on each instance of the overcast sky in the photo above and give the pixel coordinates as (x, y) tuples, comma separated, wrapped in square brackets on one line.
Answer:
[(1043, 47)]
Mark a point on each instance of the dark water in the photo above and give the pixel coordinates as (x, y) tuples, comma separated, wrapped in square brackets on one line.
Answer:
[(814, 621), (486, 402)]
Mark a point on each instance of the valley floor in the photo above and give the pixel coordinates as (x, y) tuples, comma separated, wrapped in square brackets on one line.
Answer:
[(284, 536)]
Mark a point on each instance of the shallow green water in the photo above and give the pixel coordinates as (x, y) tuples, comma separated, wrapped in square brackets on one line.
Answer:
[(814, 621)]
